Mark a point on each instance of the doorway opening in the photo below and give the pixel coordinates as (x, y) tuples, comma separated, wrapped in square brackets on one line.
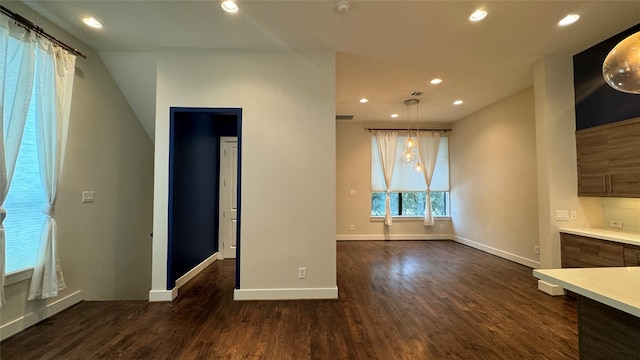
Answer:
[(194, 181)]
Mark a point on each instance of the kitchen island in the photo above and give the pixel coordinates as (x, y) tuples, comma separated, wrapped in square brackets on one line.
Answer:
[(608, 309)]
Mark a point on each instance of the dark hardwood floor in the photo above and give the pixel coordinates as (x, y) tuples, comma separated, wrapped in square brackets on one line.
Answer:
[(397, 300)]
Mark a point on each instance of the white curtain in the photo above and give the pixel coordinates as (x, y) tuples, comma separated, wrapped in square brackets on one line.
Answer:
[(16, 46), (387, 142), (54, 84), (428, 144)]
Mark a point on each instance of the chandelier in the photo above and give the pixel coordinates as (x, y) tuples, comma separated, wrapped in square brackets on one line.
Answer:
[(621, 67), (410, 153)]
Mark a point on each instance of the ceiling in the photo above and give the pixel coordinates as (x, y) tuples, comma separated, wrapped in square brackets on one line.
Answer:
[(385, 49)]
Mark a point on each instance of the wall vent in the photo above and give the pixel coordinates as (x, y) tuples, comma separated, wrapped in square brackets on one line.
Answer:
[(344, 117), (417, 93)]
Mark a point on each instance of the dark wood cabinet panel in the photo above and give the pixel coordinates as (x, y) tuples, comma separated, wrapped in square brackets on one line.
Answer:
[(631, 255), (608, 159), (580, 251)]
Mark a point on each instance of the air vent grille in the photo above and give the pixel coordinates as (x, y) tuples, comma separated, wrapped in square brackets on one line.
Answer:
[(417, 93), (344, 117)]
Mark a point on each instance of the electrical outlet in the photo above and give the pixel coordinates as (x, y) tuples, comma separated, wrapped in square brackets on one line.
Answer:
[(574, 215), (302, 273), (615, 223), (352, 227), (536, 249)]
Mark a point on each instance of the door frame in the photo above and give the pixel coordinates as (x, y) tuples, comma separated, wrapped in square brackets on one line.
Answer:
[(221, 203)]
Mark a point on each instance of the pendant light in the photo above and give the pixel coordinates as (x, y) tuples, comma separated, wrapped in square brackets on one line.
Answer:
[(409, 156), (621, 67)]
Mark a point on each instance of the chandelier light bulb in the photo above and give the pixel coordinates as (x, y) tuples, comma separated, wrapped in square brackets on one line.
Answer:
[(409, 157), (418, 167), (621, 67), (409, 143)]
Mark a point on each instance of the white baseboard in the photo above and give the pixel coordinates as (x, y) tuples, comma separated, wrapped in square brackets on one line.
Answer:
[(196, 270), (170, 295), (501, 253), (285, 294), (30, 319), (549, 288), (163, 295), (394, 237)]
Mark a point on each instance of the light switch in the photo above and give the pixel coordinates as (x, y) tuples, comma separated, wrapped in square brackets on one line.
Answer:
[(562, 215), (88, 196)]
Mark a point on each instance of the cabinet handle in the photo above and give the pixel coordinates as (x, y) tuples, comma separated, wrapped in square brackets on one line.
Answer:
[(604, 182), (610, 184)]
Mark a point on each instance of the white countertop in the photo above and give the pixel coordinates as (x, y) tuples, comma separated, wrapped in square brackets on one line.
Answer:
[(605, 234), (618, 287)]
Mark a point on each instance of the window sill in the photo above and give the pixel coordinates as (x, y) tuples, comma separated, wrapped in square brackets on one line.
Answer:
[(18, 276), (409, 218)]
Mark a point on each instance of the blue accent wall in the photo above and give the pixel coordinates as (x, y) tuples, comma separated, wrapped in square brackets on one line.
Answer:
[(596, 102), (194, 169)]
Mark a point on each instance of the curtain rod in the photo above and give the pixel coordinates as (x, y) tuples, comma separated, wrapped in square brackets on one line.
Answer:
[(405, 129), (27, 24)]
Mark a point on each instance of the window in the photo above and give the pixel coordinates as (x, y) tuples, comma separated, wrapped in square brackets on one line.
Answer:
[(25, 200), (408, 187)]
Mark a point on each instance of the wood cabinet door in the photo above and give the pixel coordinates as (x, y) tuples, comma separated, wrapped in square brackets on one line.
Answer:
[(624, 160), (631, 255), (593, 163)]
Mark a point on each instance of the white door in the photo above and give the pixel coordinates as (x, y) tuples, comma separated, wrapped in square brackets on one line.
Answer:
[(228, 196)]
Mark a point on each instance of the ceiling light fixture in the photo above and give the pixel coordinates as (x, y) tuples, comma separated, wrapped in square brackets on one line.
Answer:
[(394, 115), (478, 15), (569, 19), (229, 6), (343, 6), (409, 155), (458, 102), (364, 100), (92, 22), (436, 81), (621, 67)]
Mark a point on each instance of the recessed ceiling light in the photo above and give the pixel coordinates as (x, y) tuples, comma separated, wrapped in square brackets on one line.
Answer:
[(478, 15), (229, 6), (364, 100), (569, 19), (436, 81), (458, 102), (394, 115), (92, 22)]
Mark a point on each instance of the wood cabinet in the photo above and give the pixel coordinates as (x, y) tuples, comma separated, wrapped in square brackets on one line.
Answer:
[(631, 255), (608, 159), (580, 251)]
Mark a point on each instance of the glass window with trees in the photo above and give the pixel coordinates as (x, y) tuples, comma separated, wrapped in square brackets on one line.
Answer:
[(408, 186)]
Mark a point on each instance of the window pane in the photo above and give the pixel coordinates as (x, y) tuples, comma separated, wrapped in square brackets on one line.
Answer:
[(412, 204), (24, 205)]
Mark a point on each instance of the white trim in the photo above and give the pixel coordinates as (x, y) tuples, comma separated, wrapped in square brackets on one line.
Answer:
[(551, 289), (163, 295), (501, 253), (285, 294), (32, 318), (196, 270), (18, 276), (409, 218), (394, 237)]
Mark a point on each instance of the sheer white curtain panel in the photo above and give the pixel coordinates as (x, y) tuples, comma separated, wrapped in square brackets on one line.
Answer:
[(387, 143), (428, 144), (16, 46), (54, 84)]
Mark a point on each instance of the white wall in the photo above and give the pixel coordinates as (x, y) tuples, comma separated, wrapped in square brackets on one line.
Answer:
[(104, 247), (493, 179), (556, 156), (353, 150), (288, 162)]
